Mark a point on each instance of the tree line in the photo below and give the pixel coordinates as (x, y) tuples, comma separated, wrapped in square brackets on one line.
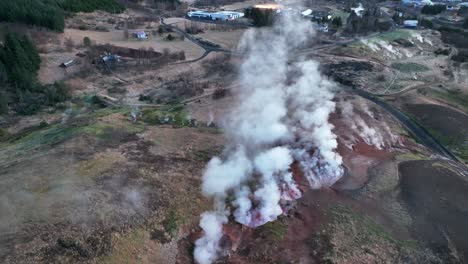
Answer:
[(261, 17), (51, 13), (74, 6), (33, 12), (433, 9), (19, 88)]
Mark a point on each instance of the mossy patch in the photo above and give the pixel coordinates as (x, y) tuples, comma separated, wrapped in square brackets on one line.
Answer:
[(396, 34), (48, 136), (275, 230), (411, 156), (409, 67), (100, 163), (171, 222), (169, 114), (205, 155)]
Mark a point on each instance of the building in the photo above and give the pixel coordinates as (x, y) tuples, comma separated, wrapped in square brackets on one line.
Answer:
[(410, 23), (140, 35), (417, 2), (220, 15), (453, 7)]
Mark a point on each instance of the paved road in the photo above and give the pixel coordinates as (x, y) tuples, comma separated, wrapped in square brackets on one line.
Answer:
[(418, 132)]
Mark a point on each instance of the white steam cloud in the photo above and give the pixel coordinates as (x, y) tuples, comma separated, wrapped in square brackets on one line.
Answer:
[(281, 116), (365, 126)]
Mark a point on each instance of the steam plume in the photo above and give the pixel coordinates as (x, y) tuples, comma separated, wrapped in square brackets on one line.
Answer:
[(281, 115)]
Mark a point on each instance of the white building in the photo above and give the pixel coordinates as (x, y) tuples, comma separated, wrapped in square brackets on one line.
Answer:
[(417, 2), (140, 35), (220, 15), (410, 23)]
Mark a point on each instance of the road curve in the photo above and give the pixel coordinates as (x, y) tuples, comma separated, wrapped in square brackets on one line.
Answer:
[(417, 131)]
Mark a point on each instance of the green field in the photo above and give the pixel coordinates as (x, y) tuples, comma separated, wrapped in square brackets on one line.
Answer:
[(409, 67)]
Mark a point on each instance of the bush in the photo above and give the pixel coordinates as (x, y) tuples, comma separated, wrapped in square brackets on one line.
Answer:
[(433, 9), (261, 17), (3, 103), (336, 22), (461, 56), (170, 37), (220, 93), (426, 23), (56, 93), (86, 42), (28, 103), (440, 51)]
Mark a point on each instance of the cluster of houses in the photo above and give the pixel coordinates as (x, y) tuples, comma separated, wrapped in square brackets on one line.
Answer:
[(451, 4)]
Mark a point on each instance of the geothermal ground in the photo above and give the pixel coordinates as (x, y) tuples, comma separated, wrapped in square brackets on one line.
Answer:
[(118, 174)]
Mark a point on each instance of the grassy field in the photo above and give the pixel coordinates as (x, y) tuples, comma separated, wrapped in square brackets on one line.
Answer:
[(397, 34), (409, 67)]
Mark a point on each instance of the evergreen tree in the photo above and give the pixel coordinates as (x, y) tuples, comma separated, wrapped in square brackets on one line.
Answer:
[(19, 63)]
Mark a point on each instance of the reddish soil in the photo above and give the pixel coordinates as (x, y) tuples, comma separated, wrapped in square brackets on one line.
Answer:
[(357, 162)]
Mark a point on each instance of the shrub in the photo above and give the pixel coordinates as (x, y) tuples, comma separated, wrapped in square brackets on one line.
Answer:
[(28, 103), (220, 93), (56, 93), (261, 17), (170, 37), (3, 103), (86, 42), (4, 135), (426, 23), (440, 51), (336, 22), (461, 56), (433, 9)]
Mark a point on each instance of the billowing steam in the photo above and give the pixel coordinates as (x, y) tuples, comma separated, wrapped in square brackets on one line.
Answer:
[(281, 116), (372, 131)]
